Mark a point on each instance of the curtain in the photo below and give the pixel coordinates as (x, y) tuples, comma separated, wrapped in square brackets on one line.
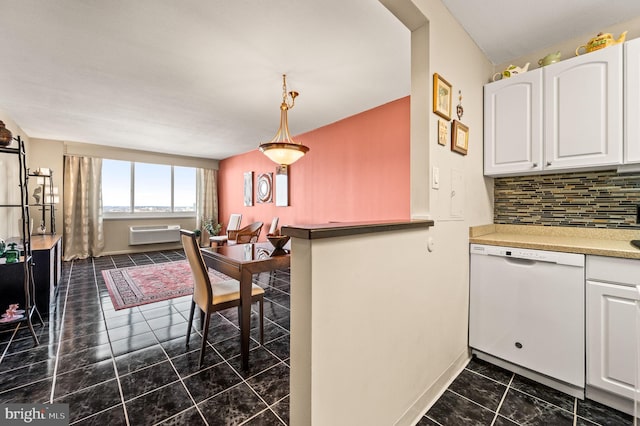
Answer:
[(83, 230), (206, 200)]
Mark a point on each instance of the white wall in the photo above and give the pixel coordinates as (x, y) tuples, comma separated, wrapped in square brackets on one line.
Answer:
[(444, 319), (409, 311)]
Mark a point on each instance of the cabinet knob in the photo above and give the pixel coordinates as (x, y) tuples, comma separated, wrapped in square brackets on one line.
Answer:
[(518, 345), (534, 165), (548, 163)]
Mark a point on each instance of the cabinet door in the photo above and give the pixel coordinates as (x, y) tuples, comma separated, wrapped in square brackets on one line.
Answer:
[(632, 102), (583, 111), (513, 125), (611, 337)]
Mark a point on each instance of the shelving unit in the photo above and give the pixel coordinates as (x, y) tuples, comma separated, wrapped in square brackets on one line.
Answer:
[(11, 273), (46, 201)]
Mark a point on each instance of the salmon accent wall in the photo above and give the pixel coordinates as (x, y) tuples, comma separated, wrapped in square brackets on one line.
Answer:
[(357, 169)]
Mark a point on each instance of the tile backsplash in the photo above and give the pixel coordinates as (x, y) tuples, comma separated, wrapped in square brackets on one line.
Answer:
[(603, 199)]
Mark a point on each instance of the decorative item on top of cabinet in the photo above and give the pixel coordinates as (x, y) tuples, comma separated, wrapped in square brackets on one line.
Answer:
[(510, 71), (600, 41), (441, 97), (551, 58)]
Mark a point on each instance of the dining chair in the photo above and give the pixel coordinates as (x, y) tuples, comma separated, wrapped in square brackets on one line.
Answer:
[(274, 226), (248, 234), (212, 297), (233, 225)]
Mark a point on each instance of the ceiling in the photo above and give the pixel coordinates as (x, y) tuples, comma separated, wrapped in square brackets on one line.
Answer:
[(204, 77), (507, 29)]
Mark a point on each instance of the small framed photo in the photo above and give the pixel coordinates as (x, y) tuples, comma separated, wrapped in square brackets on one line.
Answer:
[(441, 97), (459, 138), (443, 132)]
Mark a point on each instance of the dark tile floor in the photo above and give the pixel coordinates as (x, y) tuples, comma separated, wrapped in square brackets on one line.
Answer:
[(484, 394), (131, 367)]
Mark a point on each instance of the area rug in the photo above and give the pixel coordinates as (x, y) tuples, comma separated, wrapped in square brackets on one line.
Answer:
[(140, 285)]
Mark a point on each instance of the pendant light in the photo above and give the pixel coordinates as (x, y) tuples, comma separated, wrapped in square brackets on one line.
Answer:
[(282, 149)]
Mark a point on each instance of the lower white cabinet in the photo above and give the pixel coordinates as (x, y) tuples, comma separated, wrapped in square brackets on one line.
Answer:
[(611, 298)]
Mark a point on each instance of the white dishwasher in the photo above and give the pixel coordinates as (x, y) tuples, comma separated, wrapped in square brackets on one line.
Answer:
[(526, 309)]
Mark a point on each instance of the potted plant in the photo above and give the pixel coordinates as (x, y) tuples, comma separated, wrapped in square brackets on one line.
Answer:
[(211, 227)]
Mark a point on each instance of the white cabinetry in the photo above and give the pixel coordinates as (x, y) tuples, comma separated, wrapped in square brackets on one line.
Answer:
[(583, 111), (611, 329), (632, 102), (578, 123), (513, 124)]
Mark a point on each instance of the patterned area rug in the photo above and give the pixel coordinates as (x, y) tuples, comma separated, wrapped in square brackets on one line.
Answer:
[(139, 285)]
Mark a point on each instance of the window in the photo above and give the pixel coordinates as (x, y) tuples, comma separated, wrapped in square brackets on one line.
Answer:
[(153, 189)]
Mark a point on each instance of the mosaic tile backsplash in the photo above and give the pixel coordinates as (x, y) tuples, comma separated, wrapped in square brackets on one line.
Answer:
[(603, 199)]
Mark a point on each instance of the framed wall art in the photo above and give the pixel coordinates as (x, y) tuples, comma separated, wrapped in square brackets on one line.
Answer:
[(441, 97), (265, 188), (443, 131), (282, 186), (248, 189), (459, 138)]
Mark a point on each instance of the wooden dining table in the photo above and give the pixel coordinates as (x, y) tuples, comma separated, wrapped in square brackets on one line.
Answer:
[(242, 261)]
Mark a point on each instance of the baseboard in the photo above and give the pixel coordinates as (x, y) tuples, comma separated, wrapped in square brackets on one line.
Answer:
[(418, 409), (620, 403), (142, 249)]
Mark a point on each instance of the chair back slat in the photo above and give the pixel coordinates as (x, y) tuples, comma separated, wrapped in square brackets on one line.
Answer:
[(274, 225), (202, 292), (249, 234)]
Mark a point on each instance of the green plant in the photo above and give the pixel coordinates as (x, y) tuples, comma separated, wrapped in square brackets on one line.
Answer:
[(211, 227)]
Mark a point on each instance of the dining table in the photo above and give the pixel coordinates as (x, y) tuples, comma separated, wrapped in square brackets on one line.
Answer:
[(241, 262)]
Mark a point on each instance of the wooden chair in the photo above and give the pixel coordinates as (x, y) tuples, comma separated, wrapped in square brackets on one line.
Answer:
[(248, 234), (232, 227), (212, 298), (274, 226)]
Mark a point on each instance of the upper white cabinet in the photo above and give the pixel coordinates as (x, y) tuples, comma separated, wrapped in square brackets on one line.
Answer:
[(513, 124), (583, 111), (564, 116), (632, 102)]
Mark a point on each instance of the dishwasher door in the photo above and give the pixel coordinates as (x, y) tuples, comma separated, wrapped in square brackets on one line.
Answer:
[(527, 307)]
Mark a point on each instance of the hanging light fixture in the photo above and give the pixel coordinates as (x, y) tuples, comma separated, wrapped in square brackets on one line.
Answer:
[(282, 149)]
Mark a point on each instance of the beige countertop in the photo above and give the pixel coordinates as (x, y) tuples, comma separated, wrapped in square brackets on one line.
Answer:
[(596, 241)]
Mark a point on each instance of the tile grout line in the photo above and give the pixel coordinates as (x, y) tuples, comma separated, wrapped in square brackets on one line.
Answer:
[(59, 339), (113, 358), (504, 396)]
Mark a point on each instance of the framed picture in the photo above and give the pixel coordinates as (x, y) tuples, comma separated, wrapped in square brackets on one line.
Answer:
[(248, 189), (441, 97), (282, 186), (443, 132), (459, 138), (265, 188)]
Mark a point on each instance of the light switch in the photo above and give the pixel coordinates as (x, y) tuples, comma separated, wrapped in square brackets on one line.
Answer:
[(435, 178)]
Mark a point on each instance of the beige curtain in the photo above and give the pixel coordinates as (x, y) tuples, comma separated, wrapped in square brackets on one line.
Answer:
[(83, 230), (206, 200)]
